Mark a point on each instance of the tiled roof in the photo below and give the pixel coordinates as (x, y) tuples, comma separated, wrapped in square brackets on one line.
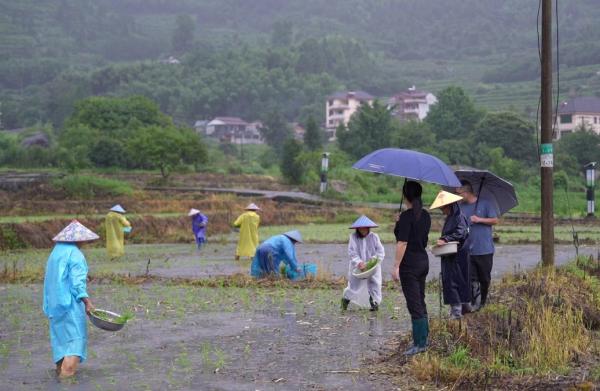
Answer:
[(360, 95), (231, 120), (585, 104)]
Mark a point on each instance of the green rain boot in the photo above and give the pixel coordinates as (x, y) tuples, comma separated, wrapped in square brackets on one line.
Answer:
[(345, 303), (420, 332)]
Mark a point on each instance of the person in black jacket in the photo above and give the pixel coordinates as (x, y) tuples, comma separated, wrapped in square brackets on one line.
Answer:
[(412, 263), (455, 267)]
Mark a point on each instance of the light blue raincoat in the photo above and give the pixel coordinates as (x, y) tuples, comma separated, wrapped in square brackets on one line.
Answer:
[(64, 288), (271, 253)]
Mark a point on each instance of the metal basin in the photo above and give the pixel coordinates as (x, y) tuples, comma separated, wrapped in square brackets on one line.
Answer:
[(104, 324)]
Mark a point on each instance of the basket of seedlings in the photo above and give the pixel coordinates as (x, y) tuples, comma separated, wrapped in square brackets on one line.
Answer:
[(369, 270), (109, 321)]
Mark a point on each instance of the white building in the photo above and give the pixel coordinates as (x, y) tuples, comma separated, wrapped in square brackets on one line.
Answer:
[(411, 105), (578, 112), (234, 130), (341, 106)]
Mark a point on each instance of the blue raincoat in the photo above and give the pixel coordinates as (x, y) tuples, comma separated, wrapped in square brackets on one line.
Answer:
[(199, 222), (64, 288), (271, 253), (456, 281)]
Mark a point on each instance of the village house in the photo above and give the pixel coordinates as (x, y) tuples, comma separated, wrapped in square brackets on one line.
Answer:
[(298, 131), (231, 130), (341, 106), (576, 113), (411, 105)]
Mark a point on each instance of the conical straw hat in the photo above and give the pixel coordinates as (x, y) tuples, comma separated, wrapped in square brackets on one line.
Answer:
[(252, 207), (75, 232), (118, 208), (444, 198), (364, 222), (294, 235), (193, 212)]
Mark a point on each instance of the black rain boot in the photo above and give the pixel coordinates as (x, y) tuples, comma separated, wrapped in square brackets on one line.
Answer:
[(374, 306), (345, 303)]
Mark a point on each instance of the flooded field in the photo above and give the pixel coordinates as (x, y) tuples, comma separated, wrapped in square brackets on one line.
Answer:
[(206, 338)]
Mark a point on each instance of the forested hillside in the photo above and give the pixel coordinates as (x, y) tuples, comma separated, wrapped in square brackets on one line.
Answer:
[(252, 58)]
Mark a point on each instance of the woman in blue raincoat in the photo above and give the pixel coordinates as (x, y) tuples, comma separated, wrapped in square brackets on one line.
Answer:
[(455, 267), (199, 222), (66, 300), (273, 251)]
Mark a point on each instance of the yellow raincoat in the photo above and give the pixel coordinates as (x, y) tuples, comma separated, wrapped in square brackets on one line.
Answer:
[(115, 237), (248, 223)]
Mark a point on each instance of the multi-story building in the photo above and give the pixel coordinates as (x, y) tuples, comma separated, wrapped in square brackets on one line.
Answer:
[(578, 113), (411, 105), (341, 106)]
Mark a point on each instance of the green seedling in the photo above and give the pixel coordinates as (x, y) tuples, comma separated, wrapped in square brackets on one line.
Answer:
[(127, 316)]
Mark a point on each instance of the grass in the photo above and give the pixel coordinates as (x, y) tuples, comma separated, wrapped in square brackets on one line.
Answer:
[(544, 325), (87, 187)]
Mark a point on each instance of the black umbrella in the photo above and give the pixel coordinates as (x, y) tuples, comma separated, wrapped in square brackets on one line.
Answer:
[(491, 187)]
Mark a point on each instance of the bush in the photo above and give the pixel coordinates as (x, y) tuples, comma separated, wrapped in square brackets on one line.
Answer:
[(84, 186)]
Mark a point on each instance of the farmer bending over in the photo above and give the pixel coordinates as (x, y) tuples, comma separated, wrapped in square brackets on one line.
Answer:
[(273, 251)]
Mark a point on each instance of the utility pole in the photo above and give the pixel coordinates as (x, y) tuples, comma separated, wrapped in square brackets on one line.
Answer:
[(546, 150)]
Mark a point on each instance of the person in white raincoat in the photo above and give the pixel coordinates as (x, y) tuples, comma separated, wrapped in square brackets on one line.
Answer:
[(362, 246)]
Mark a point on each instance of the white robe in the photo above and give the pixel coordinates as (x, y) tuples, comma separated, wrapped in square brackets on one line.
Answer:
[(363, 249)]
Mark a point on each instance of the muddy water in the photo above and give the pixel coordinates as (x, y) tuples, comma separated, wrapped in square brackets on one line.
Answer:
[(205, 339), (184, 261)]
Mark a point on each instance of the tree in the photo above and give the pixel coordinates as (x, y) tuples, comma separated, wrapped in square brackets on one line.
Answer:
[(276, 131), (108, 152), (283, 33), (291, 169), (156, 147), (370, 128), (510, 132), (183, 35), (117, 117), (415, 135), (582, 145), (313, 138), (454, 116)]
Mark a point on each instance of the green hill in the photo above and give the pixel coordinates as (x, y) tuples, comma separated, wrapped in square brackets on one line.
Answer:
[(253, 57)]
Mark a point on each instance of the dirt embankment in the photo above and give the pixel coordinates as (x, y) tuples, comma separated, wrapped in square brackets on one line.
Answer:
[(147, 228)]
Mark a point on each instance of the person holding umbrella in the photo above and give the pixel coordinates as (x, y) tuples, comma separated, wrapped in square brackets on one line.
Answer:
[(412, 262), (66, 300), (455, 266), (481, 215)]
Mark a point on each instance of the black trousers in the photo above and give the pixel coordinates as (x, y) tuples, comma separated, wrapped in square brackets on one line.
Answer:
[(481, 271), (412, 279)]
